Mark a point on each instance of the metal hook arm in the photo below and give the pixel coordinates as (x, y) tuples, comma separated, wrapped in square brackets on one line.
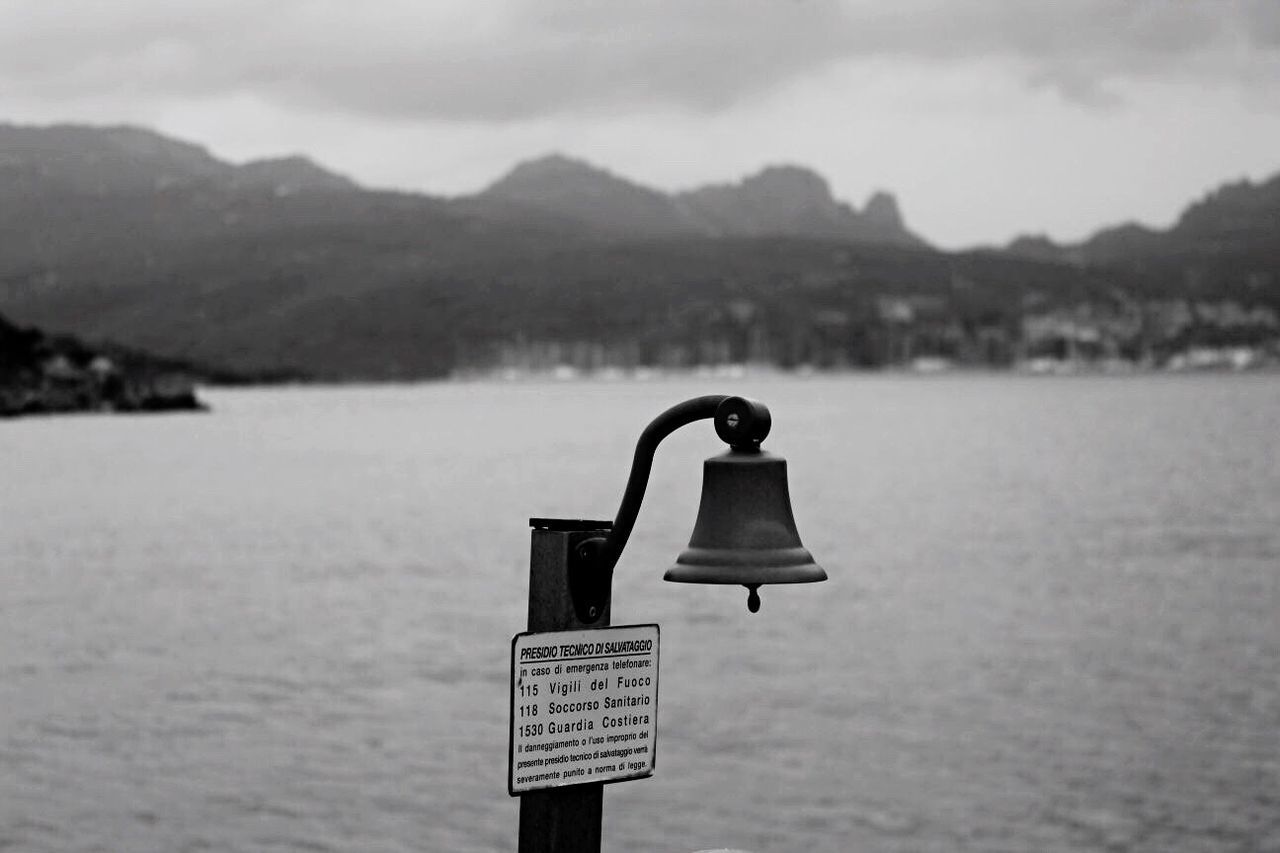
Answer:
[(609, 548), (740, 423)]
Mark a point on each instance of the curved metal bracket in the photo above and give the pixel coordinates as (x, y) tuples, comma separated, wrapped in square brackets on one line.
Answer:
[(741, 423)]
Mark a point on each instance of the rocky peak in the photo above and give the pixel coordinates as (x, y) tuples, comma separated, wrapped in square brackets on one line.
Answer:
[(784, 195), (779, 200), (792, 200), (882, 210), (552, 175), (574, 189), (789, 185)]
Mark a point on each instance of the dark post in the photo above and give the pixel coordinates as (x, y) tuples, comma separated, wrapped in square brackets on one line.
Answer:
[(561, 820)]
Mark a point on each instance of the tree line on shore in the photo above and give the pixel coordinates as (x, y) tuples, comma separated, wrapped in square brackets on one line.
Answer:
[(48, 374)]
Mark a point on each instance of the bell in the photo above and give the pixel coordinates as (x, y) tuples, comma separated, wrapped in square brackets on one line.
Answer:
[(745, 533)]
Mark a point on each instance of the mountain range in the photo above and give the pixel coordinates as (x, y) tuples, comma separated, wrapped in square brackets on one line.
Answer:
[(777, 201), (281, 265), (1239, 218), (103, 160)]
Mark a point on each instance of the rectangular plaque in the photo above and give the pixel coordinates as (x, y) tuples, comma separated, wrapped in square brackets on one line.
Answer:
[(584, 707)]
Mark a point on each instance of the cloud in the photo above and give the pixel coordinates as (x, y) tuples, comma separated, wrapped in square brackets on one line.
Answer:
[(1262, 22), (522, 59)]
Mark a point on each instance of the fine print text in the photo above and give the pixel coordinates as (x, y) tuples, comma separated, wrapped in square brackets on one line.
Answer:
[(584, 706)]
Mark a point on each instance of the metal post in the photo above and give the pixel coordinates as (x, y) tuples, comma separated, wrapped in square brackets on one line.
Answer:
[(560, 820)]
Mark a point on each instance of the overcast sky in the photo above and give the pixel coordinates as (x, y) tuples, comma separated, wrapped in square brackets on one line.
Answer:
[(985, 117)]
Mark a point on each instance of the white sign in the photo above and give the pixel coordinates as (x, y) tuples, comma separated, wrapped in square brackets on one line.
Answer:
[(584, 707)]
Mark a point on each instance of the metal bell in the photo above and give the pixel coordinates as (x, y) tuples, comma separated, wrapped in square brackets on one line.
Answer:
[(745, 533)]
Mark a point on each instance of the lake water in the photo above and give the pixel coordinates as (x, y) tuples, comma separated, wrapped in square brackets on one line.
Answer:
[(1052, 623)]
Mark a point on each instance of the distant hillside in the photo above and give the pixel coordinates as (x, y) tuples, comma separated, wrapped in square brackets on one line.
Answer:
[(79, 158), (1237, 217), (795, 202), (1227, 242), (779, 201), (591, 197), (100, 159), (280, 266), (290, 175)]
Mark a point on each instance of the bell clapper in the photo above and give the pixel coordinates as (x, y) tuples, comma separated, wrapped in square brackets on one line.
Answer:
[(753, 597)]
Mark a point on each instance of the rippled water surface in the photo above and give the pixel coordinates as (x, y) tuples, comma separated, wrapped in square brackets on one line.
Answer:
[(1052, 624)]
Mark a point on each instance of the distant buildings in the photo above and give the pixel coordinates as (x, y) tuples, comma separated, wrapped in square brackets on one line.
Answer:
[(1157, 333), (916, 331)]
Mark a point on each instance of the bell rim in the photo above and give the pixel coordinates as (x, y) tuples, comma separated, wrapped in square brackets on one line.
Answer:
[(784, 565), (772, 575), (697, 557)]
